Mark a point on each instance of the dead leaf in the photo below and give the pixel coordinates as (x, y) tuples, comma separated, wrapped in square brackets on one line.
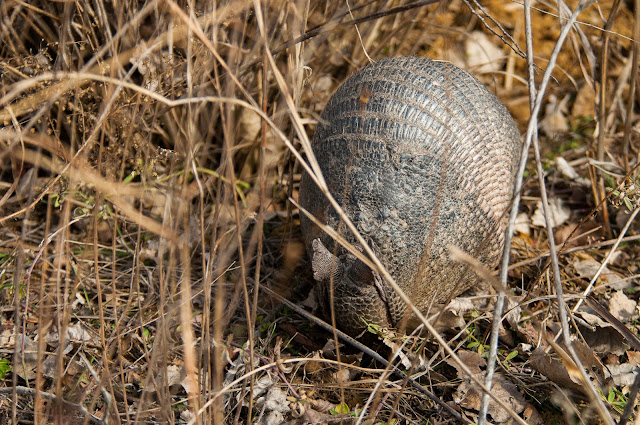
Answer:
[(77, 333), (469, 397), (28, 358), (584, 104), (273, 406), (471, 359), (262, 385), (532, 416), (601, 336), (482, 56), (555, 117), (588, 232), (623, 308), (174, 375), (563, 371), (453, 315), (559, 213), (552, 369), (312, 367), (6, 338), (566, 169), (523, 224), (397, 350), (623, 374), (276, 399), (343, 375), (50, 365), (634, 357), (569, 172), (587, 269)]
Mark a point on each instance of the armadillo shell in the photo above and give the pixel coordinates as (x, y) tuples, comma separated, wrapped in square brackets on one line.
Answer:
[(420, 155)]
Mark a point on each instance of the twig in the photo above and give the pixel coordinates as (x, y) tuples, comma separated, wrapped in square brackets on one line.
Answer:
[(330, 25), (52, 397), (513, 45), (529, 138), (105, 393), (499, 306), (632, 85), (633, 238), (359, 346), (562, 308), (607, 258), (633, 394)]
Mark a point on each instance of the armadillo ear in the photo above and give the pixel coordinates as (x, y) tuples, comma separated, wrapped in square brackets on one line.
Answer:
[(324, 263), (361, 273)]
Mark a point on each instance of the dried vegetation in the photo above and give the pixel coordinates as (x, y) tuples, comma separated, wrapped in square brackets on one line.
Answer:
[(146, 166)]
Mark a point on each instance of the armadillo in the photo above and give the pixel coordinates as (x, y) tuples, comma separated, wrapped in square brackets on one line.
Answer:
[(420, 155)]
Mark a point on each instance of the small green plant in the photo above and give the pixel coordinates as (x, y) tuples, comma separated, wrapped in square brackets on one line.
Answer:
[(56, 200), (480, 348), (146, 335), (393, 421), (507, 360), (373, 328), (474, 343), (179, 407), (628, 194), (616, 399), (5, 366), (340, 409)]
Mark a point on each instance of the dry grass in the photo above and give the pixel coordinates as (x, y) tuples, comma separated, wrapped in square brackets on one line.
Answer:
[(148, 156)]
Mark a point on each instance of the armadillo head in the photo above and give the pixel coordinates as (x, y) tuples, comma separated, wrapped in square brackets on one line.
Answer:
[(360, 294)]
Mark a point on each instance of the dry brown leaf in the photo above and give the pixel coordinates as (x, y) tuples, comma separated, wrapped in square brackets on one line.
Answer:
[(523, 224), (588, 268), (471, 359), (623, 308), (482, 56), (469, 397), (555, 117), (584, 105), (28, 358), (564, 372), (559, 213), (601, 336), (552, 369), (634, 357)]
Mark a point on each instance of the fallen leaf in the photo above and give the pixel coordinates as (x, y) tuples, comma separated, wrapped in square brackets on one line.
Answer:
[(601, 336), (584, 104), (622, 374), (588, 268), (634, 357), (77, 333), (469, 397), (276, 399), (566, 169), (552, 369), (28, 358), (555, 120), (471, 359), (569, 172), (559, 213), (562, 370), (523, 224), (623, 308), (481, 54)]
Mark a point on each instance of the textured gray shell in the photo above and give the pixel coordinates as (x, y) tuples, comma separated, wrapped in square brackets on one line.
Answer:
[(420, 155)]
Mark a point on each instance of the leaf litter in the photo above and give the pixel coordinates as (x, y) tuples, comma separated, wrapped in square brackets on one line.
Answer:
[(96, 268)]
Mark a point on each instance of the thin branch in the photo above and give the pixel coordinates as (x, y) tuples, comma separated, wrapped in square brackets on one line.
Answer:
[(529, 138), (32, 392)]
